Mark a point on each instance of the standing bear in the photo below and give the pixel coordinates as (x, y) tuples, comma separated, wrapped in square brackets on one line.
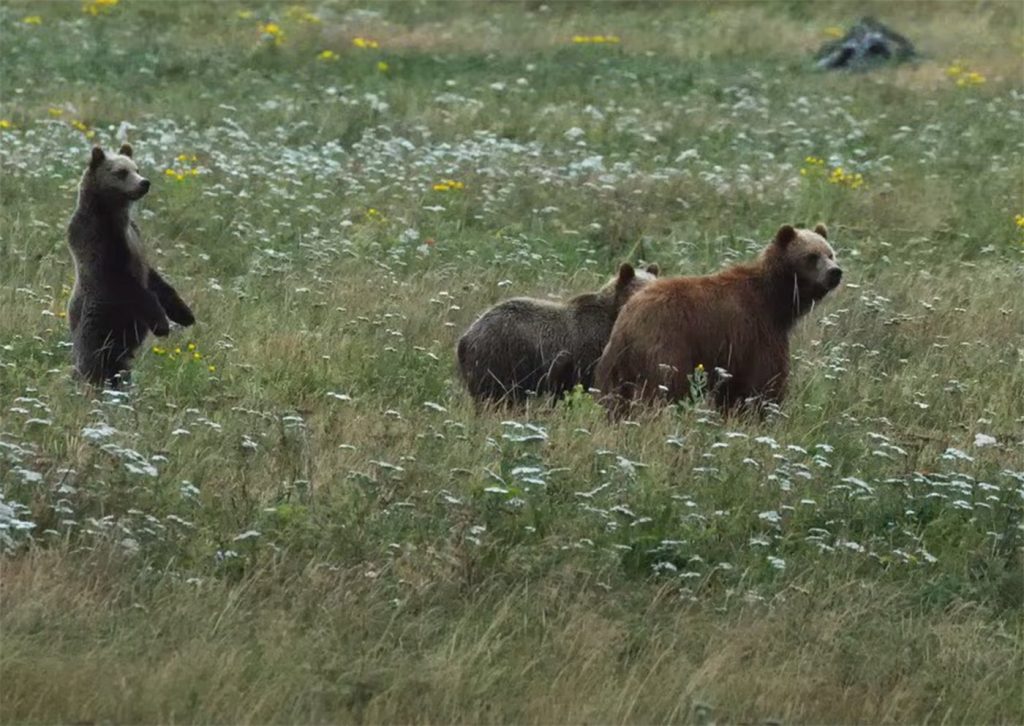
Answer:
[(524, 345), (117, 298), (735, 325)]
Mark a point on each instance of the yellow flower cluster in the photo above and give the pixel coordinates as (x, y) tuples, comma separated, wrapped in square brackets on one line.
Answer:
[(98, 7), (184, 168), (32, 20), (272, 33), (583, 39), (845, 178), (1019, 220), (448, 185), (82, 126), (191, 354), (814, 167), (360, 42), (243, 14), (963, 76), (297, 12), (6, 124), (330, 55), (55, 112), (814, 163)]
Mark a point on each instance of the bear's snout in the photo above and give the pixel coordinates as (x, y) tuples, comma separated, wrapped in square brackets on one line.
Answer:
[(834, 276), (144, 185)]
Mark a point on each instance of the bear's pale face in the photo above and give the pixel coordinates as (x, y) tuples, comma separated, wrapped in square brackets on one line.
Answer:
[(807, 255), (116, 175), (629, 280), (813, 259)]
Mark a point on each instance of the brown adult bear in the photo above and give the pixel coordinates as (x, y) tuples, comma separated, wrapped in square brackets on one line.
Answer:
[(118, 298), (525, 345), (735, 323)]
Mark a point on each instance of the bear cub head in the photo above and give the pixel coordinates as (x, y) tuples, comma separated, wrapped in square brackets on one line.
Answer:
[(806, 257), (114, 178), (626, 282)]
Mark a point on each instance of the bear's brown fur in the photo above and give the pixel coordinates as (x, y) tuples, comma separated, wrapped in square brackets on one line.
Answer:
[(524, 346), (735, 323)]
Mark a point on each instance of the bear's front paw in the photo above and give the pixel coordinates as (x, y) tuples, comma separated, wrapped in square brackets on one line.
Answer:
[(186, 318), (161, 328)]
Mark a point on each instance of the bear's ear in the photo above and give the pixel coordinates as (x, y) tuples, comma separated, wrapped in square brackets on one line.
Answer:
[(785, 235), (822, 230), (654, 269), (125, 150), (97, 158), (626, 274)]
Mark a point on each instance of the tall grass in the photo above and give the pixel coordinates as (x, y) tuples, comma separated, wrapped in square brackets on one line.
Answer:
[(296, 515)]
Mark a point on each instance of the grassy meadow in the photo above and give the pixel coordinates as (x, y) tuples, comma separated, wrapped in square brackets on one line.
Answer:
[(295, 514)]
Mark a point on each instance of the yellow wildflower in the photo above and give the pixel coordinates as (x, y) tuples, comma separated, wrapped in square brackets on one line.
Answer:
[(971, 78), (382, 66), (243, 14), (598, 39), (32, 20), (834, 31), (82, 126), (197, 355), (159, 351), (360, 42), (446, 185), (1019, 220), (54, 111), (272, 32), (96, 7), (191, 347), (212, 369), (699, 368), (327, 55), (5, 124), (297, 12), (963, 76)]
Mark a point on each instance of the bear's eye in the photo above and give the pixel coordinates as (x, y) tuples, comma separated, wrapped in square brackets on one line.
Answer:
[(812, 258), (123, 174)]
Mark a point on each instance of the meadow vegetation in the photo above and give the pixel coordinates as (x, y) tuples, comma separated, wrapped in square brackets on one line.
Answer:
[(296, 514)]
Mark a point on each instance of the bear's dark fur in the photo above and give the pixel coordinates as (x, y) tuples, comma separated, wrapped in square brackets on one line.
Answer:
[(117, 298), (524, 346)]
